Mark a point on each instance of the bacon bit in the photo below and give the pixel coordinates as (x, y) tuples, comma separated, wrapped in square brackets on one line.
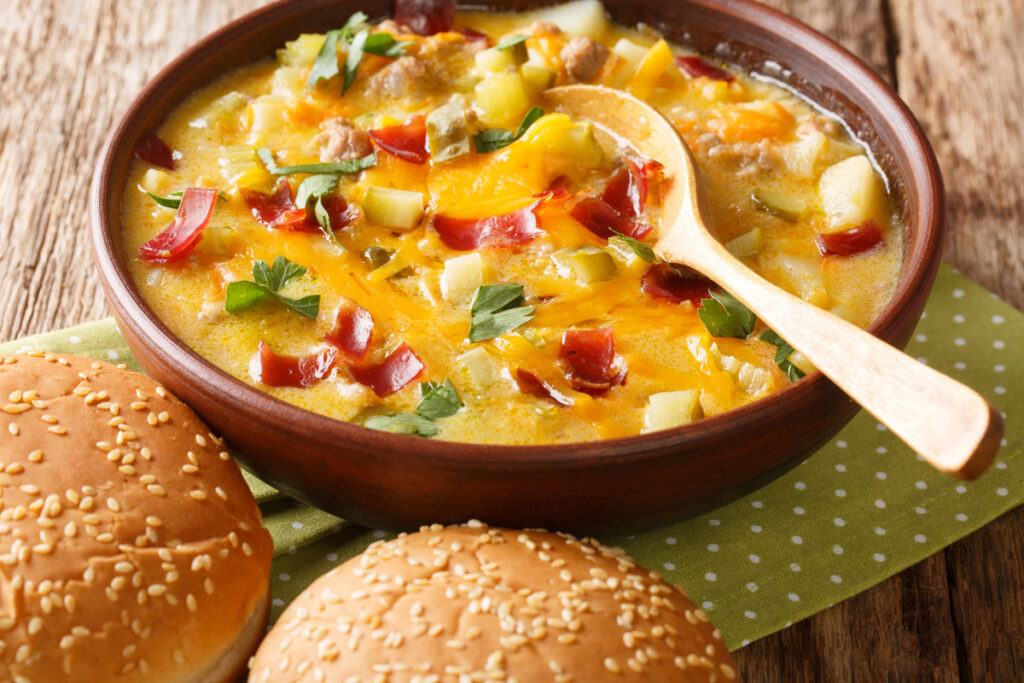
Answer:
[(153, 150), (530, 384), (353, 331), (464, 234), (698, 67), (180, 237), (600, 218), (665, 281), (426, 17), (397, 370), (628, 189), (302, 372), (852, 241), (408, 141), (590, 355), (558, 188), (278, 210), (472, 35)]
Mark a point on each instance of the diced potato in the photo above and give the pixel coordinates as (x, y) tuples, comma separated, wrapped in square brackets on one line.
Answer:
[(267, 114), (753, 380), (462, 276), (804, 275), (218, 241), (448, 132), (302, 51), (480, 366), (802, 157), (289, 81), (779, 204), (493, 60), (851, 193), (586, 264), (655, 62), (803, 362), (731, 364), (747, 244), (537, 77), (632, 54), (390, 208), (671, 409), (582, 18), (156, 181), (502, 98)]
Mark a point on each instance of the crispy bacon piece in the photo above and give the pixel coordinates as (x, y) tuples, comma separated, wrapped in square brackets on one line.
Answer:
[(600, 218), (426, 17), (665, 281), (180, 237), (407, 141), (506, 230), (558, 188), (153, 150), (399, 368), (852, 241), (301, 372), (278, 210), (629, 188), (530, 384), (353, 331), (697, 67), (589, 358), (472, 35)]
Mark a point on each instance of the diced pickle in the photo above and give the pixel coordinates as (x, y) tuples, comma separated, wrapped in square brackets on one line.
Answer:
[(375, 256), (778, 204), (502, 98), (621, 250), (587, 264), (447, 132), (671, 409), (747, 244), (390, 208)]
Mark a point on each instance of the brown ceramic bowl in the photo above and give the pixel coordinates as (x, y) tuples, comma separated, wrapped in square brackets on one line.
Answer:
[(398, 481)]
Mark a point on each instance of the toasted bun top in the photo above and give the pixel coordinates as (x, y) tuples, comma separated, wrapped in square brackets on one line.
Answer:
[(478, 603), (130, 546)]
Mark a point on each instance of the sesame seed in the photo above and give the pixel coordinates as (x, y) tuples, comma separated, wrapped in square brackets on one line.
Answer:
[(29, 489), (190, 602), (156, 490), (113, 505), (49, 419), (198, 495), (189, 469), (16, 408), (13, 429), (221, 493), (67, 642), (35, 456), (612, 665)]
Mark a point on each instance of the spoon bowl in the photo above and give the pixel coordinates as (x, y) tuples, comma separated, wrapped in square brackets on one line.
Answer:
[(948, 424)]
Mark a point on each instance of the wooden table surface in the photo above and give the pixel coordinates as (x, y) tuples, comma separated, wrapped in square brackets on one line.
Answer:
[(68, 68)]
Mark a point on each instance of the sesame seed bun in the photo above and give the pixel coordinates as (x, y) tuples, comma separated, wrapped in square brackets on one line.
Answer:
[(130, 547), (474, 603)]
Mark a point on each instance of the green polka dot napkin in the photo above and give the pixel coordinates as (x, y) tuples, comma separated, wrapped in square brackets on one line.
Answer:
[(858, 511)]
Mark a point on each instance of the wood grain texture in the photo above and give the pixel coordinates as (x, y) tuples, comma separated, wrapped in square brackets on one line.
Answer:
[(69, 67)]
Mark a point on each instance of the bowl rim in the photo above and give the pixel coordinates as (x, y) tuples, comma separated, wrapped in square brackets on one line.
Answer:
[(921, 259)]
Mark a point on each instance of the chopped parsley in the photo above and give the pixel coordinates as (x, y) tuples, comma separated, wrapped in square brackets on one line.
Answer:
[(724, 316), (782, 354), (496, 310), (266, 156), (493, 139), (438, 401), (326, 64), (267, 283), (641, 249)]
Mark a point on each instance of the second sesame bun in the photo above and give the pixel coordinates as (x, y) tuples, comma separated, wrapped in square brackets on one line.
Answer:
[(131, 548), (475, 603)]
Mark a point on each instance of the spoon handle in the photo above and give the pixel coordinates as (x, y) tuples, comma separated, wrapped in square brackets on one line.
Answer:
[(949, 424)]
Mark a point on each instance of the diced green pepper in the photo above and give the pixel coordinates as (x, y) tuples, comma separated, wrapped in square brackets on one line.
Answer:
[(447, 132)]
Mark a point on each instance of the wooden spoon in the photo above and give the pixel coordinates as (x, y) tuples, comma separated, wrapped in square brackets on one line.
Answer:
[(948, 424)]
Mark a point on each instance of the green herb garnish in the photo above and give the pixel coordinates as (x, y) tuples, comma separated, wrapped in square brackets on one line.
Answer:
[(355, 55), (511, 41), (267, 282), (403, 423), (641, 249), (439, 400), (724, 316), (173, 200), (782, 354), (385, 45), (326, 64), (496, 310), (492, 139), (266, 156)]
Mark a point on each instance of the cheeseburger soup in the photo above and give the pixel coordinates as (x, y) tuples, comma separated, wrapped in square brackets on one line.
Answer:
[(383, 225)]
